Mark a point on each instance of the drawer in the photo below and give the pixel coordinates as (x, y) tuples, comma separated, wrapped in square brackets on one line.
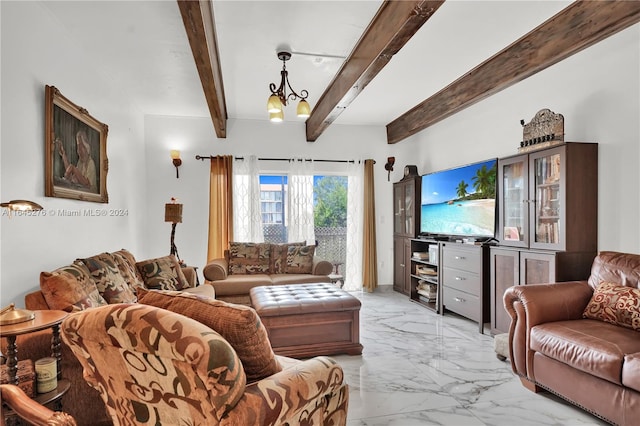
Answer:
[(462, 280), (461, 303), (459, 258)]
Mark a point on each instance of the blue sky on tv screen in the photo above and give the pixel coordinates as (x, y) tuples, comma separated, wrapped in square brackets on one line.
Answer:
[(440, 187)]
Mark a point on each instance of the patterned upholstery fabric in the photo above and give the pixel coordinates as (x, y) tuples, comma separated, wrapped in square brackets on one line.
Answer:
[(162, 273), (278, 258), (127, 265), (615, 304), (153, 366), (106, 275), (300, 259), (70, 288), (239, 325), (249, 258)]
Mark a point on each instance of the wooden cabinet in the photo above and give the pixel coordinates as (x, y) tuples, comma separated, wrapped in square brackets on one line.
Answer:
[(406, 205), (548, 199), (511, 266), (464, 281), (547, 220), (425, 273), (402, 266)]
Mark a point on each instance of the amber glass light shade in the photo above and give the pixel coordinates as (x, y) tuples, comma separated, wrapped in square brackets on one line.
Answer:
[(304, 110), (274, 104), (276, 117), (22, 205)]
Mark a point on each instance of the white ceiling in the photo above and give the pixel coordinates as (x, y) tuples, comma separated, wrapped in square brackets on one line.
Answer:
[(141, 47)]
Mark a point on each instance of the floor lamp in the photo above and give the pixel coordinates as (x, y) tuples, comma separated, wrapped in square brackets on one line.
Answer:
[(173, 214)]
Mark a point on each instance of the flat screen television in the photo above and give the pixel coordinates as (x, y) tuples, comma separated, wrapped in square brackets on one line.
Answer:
[(460, 201)]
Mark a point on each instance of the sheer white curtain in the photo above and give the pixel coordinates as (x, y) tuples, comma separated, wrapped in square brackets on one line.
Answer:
[(353, 264), (247, 220), (300, 202)]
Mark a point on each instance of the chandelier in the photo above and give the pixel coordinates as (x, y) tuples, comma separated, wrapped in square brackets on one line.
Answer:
[(279, 96)]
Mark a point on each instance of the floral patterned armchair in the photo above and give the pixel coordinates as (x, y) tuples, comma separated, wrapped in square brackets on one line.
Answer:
[(153, 366)]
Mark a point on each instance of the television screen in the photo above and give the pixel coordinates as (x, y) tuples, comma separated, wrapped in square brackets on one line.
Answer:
[(460, 201)]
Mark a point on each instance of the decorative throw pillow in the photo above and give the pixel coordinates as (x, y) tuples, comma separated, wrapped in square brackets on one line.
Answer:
[(70, 288), (105, 274), (163, 273), (300, 259), (239, 325), (615, 304), (249, 258), (278, 258), (127, 266)]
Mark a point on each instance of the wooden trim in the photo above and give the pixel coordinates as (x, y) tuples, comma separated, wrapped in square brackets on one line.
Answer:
[(575, 28), (392, 27), (199, 23)]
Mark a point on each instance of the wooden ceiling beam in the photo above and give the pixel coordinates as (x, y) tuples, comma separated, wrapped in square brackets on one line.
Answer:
[(392, 27), (575, 28), (199, 23)]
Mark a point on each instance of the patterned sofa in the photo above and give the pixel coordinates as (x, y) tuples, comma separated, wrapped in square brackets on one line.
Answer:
[(156, 366), (105, 278), (248, 265)]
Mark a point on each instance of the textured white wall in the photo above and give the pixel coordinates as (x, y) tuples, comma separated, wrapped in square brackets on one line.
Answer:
[(37, 51)]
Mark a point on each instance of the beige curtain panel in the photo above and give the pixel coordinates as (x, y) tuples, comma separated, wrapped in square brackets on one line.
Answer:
[(220, 205), (369, 255)]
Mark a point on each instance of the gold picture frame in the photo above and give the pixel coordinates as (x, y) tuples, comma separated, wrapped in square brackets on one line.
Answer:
[(76, 161)]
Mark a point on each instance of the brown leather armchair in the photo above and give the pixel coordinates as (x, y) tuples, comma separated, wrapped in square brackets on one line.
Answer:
[(31, 411), (592, 363)]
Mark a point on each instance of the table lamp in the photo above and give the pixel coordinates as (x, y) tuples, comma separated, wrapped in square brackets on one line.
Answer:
[(173, 214)]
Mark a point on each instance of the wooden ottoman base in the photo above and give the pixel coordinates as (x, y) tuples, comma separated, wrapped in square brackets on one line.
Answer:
[(307, 320)]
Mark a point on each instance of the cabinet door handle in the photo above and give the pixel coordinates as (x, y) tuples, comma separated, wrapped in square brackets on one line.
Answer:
[(459, 278), (402, 264), (459, 258), (459, 299)]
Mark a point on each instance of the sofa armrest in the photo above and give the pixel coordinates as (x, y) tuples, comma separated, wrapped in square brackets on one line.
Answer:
[(190, 274), (321, 267), (216, 269), (534, 304), (295, 392), (35, 301)]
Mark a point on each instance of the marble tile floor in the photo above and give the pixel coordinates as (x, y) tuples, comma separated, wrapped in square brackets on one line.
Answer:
[(421, 368)]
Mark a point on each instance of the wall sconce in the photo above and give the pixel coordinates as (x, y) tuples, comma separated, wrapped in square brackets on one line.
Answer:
[(175, 159), (389, 166)]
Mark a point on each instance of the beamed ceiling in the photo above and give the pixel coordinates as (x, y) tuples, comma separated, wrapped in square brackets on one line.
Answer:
[(574, 28), (401, 64)]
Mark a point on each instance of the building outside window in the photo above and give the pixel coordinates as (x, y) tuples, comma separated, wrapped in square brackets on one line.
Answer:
[(330, 214)]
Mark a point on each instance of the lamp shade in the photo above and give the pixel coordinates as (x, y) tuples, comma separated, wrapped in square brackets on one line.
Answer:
[(304, 110), (276, 117), (21, 205), (175, 154), (274, 104), (173, 213)]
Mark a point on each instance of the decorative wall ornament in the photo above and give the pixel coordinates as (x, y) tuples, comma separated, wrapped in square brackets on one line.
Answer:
[(545, 129)]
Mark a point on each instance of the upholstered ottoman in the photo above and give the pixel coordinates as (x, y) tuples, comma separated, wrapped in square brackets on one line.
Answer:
[(306, 320)]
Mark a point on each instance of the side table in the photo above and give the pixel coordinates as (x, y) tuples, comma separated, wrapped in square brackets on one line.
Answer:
[(336, 279), (42, 320)]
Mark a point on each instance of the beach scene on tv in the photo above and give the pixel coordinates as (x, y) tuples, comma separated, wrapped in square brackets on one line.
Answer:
[(460, 201)]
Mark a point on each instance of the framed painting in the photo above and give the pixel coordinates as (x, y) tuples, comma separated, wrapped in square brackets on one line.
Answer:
[(76, 161)]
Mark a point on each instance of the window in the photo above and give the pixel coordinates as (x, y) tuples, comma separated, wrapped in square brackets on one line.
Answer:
[(330, 214)]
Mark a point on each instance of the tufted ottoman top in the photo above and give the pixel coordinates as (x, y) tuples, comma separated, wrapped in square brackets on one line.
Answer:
[(301, 298)]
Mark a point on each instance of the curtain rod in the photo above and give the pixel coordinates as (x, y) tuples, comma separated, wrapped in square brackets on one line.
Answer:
[(205, 157)]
